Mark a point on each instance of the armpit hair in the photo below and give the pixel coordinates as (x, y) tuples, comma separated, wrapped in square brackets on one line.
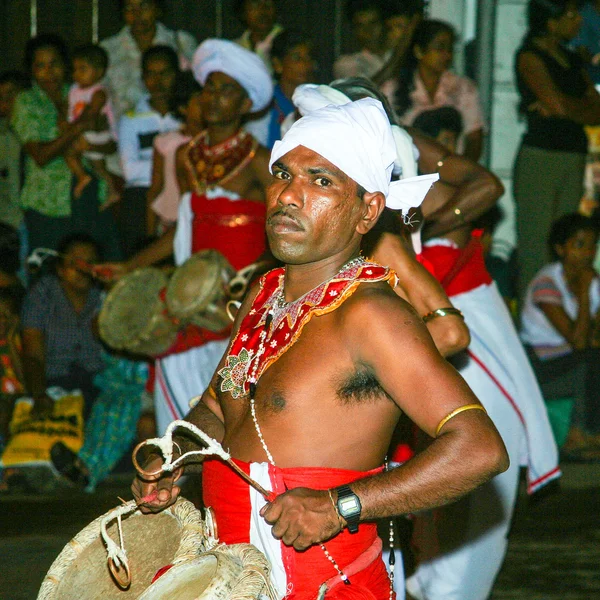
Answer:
[(360, 386)]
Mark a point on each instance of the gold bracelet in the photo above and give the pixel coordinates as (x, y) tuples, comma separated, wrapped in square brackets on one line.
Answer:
[(447, 311), (337, 512), (457, 411)]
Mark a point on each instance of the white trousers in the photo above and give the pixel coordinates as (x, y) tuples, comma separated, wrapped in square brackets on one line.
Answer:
[(461, 548), (181, 377)]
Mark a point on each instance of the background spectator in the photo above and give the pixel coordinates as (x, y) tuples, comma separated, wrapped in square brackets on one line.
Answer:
[(442, 124), (89, 94), (164, 193), (366, 18), (11, 83), (587, 41), (40, 121), (59, 345), (293, 64), (11, 372), (561, 326), (427, 82), (142, 31), (259, 16), (557, 100), (153, 115)]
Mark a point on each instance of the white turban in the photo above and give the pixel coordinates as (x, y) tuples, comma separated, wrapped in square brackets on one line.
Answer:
[(357, 138), (309, 96), (237, 62)]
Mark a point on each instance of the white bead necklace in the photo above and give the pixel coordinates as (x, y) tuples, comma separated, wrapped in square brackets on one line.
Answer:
[(280, 305)]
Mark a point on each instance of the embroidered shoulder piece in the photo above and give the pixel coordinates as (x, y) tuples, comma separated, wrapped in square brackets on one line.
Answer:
[(215, 165), (262, 339)]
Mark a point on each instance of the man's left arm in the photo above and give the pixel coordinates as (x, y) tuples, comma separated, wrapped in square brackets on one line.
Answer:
[(465, 452)]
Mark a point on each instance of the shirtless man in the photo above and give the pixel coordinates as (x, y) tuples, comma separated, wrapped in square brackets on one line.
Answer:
[(224, 172), (318, 398)]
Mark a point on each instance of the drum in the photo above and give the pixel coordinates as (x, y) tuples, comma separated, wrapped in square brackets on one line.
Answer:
[(197, 291), (134, 317), (236, 572), (174, 536)]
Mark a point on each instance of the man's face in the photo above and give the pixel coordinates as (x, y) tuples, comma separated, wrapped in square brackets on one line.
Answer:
[(312, 208), (297, 66), (260, 15), (8, 93), (69, 272), (367, 27), (159, 77), (141, 16), (223, 100)]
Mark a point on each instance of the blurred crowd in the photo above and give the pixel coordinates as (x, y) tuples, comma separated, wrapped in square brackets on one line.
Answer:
[(99, 145)]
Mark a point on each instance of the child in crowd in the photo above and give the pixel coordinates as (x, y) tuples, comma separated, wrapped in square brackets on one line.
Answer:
[(153, 115), (164, 193), (89, 94), (561, 325), (11, 375), (444, 124)]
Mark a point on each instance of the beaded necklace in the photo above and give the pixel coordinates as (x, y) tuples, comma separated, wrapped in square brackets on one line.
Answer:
[(209, 166)]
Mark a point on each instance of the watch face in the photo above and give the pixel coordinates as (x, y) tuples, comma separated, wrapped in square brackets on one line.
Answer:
[(349, 506)]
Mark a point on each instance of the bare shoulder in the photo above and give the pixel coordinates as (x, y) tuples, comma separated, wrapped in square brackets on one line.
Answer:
[(376, 309)]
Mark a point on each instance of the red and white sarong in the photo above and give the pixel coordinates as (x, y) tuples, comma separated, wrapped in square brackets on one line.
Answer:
[(461, 547), (296, 575)]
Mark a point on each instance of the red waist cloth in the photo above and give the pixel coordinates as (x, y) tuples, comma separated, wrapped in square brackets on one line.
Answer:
[(229, 496), (236, 228), (472, 272)]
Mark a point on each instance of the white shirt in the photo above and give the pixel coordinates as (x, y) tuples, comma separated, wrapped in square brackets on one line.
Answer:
[(550, 287), (124, 75), (137, 131)]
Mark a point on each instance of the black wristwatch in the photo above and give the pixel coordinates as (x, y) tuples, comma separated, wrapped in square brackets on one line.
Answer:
[(349, 507)]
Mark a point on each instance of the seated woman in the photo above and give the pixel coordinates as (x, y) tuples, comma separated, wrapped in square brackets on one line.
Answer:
[(560, 323)]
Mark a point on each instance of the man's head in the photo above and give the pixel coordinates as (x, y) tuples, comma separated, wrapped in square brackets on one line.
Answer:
[(235, 81), (332, 173), (397, 15), (444, 124), (11, 83), (292, 57), (141, 15), (160, 68), (257, 15), (367, 23)]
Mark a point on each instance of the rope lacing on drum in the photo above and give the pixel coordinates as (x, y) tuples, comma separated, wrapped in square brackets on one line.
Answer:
[(117, 554)]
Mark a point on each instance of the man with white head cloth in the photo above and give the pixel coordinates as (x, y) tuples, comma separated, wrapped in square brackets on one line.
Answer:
[(223, 172), (323, 360)]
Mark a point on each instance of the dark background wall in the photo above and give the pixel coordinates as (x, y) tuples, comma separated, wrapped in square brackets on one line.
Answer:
[(322, 19)]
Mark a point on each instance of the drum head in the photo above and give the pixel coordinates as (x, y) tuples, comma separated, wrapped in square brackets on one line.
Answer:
[(211, 576), (151, 542), (200, 280), (131, 311)]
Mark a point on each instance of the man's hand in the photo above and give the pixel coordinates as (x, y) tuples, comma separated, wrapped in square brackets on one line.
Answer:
[(302, 517), (153, 495)]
